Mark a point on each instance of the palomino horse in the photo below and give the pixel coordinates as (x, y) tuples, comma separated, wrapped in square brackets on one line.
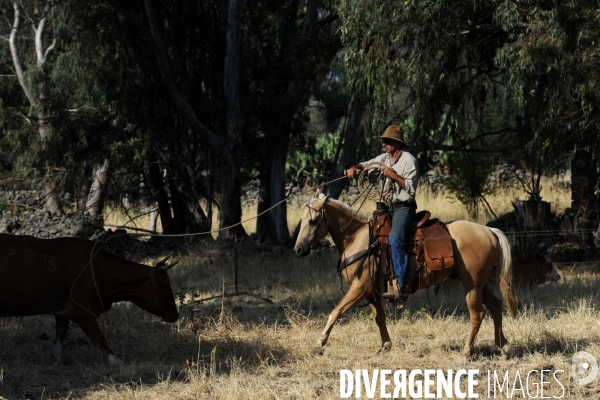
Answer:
[(476, 249)]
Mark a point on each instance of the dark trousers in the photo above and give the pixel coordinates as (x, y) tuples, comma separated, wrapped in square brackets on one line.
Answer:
[(402, 220)]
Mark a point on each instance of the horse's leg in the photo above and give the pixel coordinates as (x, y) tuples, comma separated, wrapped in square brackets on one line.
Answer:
[(355, 294), (379, 315), (494, 305), (62, 325), (475, 304)]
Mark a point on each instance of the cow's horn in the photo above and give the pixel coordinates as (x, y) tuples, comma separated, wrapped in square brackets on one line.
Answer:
[(168, 266), (163, 261)]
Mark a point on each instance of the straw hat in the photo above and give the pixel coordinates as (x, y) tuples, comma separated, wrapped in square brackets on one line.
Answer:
[(394, 132)]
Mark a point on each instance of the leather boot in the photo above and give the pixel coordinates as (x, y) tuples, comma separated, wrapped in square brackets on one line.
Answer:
[(393, 293)]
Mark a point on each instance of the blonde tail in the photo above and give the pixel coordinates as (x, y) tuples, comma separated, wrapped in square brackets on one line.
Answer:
[(506, 275)]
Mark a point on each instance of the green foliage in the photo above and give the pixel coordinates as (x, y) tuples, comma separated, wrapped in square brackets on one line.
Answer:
[(313, 157), (469, 182), (539, 59)]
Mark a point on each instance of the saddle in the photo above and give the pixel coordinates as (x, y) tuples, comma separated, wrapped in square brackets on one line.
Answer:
[(429, 241)]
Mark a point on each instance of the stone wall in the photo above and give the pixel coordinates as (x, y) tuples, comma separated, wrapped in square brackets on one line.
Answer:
[(34, 221), (45, 225)]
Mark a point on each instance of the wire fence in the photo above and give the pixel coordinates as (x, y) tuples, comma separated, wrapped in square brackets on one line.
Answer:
[(550, 232)]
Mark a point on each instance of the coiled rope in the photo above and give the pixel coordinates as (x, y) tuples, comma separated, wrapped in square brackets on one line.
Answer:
[(372, 182)]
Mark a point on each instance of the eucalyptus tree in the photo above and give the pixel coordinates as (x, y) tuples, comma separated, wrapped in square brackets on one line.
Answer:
[(67, 86), (176, 54), (553, 65), (453, 57), (289, 48), (35, 18)]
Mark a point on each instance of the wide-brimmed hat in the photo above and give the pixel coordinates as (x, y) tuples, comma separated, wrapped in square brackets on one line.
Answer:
[(394, 132)]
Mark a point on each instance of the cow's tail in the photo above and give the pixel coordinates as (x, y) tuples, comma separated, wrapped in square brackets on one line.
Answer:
[(506, 274)]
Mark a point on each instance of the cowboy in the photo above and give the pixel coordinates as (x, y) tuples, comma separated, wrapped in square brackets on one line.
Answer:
[(402, 173)]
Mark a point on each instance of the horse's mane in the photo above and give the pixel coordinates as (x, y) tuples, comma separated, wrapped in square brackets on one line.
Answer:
[(358, 215)]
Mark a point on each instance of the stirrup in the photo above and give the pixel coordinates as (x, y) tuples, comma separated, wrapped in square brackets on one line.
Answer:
[(394, 294)]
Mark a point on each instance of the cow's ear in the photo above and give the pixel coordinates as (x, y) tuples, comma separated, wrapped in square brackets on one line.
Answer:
[(542, 249)]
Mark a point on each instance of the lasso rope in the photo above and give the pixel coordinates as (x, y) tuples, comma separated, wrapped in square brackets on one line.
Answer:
[(372, 182), (98, 245)]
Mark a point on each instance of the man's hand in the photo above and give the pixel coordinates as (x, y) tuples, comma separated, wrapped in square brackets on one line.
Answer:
[(350, 172), (389, 172)]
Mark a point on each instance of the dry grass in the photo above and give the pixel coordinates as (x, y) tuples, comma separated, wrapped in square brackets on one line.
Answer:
[(441, 204), (255, 350)]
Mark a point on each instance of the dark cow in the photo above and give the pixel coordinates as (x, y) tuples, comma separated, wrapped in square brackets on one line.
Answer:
[(75, 280), (537, 269)]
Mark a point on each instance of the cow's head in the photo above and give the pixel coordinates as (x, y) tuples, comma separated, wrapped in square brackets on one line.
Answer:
[(537, 269), (547, 267), (155, 294), (552, 275)]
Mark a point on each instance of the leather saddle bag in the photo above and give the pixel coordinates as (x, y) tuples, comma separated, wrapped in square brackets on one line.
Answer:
[(437, 245)]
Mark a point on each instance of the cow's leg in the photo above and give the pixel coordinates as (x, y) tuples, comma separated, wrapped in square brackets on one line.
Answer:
[(379, 315), (475, 304), (355, 294), (62, 325), (494, 305), (90, 327)]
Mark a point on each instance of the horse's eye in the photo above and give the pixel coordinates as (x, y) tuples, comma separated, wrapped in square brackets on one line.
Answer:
[(312, 221)]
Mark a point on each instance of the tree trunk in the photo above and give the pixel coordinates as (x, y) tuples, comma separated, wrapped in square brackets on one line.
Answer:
[(279, 228), (83, 188), (153, 221), (53, 203), (357, 109), (95, 202), (279, 133), (533, 216), (156, 183), (230, 212), (191, 218), (263, 222)]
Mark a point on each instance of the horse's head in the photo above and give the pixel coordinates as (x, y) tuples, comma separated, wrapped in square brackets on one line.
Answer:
[(313, 226)]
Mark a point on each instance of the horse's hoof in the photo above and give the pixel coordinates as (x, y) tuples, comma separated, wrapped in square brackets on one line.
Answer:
[(317, 351), (509, 350), (386, 347)]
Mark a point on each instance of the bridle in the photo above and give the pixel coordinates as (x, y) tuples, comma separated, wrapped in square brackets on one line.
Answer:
[(313, 222)]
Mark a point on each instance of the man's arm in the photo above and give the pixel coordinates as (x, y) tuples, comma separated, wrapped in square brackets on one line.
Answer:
[(408, 180), (356, 169), (389, 172)]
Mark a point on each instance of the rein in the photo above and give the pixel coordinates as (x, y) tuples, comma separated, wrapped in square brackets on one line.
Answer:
[(361, 256)]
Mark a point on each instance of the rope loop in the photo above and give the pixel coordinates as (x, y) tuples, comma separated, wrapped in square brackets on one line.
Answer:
[(372, 182)]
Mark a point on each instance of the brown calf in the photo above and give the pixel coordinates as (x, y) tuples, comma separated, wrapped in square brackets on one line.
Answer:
[(75, 280)]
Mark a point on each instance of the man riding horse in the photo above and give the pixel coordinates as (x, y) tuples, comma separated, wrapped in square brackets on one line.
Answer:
[(402, 172)]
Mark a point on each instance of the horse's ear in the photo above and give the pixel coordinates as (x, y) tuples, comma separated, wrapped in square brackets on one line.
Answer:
[(320, 202), (316, 195)]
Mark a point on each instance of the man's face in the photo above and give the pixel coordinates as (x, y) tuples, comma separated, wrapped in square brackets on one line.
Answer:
[(391, 146)]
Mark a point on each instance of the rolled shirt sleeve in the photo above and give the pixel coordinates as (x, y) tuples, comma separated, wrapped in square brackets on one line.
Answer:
[(407, 167)]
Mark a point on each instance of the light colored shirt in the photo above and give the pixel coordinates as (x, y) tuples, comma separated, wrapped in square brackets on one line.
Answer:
[(407, 167)]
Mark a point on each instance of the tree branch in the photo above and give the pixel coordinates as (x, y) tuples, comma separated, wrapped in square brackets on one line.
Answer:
[(163, 65), (142, 28), (15, 56)]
